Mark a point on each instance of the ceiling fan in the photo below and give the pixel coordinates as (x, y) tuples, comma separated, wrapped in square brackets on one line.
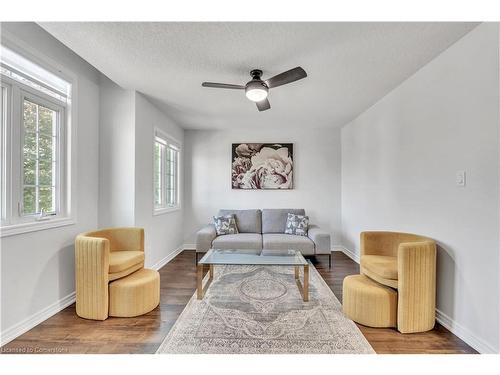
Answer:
[(257, 89)]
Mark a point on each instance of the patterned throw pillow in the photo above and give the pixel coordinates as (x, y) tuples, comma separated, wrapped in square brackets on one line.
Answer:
[(225, 225), (297, 224)]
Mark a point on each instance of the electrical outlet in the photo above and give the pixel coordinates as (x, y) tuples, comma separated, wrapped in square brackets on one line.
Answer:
[(460, 178)]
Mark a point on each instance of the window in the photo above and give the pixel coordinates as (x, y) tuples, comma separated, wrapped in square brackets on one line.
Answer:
[(35, 109), (39, 154), (166, 173)]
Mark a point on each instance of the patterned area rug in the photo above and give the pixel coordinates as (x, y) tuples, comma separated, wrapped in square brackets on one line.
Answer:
[(255, 309)]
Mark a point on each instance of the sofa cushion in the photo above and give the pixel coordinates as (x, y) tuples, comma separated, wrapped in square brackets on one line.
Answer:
[(238, 241), (247, 221), (280, 241), (274, 220), (121, 260), (381, 265)]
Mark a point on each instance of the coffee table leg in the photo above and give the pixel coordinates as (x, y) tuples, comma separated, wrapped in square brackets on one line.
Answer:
[(199, 281), (303, 286), (306, 283), (200, 289)]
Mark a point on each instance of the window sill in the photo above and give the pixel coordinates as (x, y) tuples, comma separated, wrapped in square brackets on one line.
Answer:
[(14, 229), (162, 211)]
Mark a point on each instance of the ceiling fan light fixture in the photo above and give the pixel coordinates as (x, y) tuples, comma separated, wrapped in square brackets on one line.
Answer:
[(256, 91)]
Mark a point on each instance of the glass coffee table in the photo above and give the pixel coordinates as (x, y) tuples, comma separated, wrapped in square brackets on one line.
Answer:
[(291, 258)]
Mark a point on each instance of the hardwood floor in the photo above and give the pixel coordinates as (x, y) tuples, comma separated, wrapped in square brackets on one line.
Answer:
[(67, 333), (387, 340)]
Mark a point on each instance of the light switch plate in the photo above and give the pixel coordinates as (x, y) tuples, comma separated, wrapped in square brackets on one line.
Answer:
[(460, 178)]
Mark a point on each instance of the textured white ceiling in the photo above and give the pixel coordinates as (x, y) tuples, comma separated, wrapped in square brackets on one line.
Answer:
[(350, 65)]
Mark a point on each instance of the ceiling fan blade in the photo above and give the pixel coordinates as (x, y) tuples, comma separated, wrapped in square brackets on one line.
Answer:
[(263, 105), (222, 85), (289, 76)]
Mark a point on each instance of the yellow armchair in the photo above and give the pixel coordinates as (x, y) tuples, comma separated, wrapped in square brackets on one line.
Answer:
[(100, 257), (406, 262)]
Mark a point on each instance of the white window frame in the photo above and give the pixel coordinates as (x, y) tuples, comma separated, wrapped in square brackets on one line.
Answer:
[(12, 221), (4, 155), (168, 142), (18, 136)]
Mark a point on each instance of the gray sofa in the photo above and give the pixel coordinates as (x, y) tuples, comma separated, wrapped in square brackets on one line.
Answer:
[(264, 229)]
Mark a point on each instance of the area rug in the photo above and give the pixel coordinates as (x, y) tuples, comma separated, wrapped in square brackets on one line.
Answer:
[(259, 310)]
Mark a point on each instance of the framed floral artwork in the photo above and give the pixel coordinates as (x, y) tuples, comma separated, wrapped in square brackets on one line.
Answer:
[(262, 166)]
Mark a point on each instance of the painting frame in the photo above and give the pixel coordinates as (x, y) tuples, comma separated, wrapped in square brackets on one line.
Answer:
[(262, 166)]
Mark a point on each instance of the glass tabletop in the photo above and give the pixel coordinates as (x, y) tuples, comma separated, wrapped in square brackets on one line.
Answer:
[(254, 257)]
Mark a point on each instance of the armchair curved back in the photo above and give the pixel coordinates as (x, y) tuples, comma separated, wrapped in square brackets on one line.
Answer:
[(120, 239), (387, 243)]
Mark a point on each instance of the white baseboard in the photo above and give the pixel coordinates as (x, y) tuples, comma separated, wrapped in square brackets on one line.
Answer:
[(167, 259), (18, 329), (25, 325), (346, 251), (465, 334), (189, 246)]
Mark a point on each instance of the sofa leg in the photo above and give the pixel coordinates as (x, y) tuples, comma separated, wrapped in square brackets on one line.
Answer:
[(196, 258), (329, 260)]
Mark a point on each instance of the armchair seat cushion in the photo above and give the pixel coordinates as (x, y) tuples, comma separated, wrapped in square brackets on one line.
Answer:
[(125, 272), (279, 241), (383, 266), (121, 260), (383, 269), (246, 241)]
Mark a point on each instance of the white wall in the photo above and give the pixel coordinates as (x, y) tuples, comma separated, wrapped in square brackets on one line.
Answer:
[(127, 123), (114, 188), (316, 176), (116, 155), (164, 232), (399, 160), (37, 269)]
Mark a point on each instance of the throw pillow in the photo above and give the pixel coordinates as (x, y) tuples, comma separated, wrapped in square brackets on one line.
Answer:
[(297, 224), (225, 225)]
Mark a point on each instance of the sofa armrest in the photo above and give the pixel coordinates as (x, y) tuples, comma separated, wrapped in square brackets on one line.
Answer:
[(204, 238), (416, 286), (321, 239)]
